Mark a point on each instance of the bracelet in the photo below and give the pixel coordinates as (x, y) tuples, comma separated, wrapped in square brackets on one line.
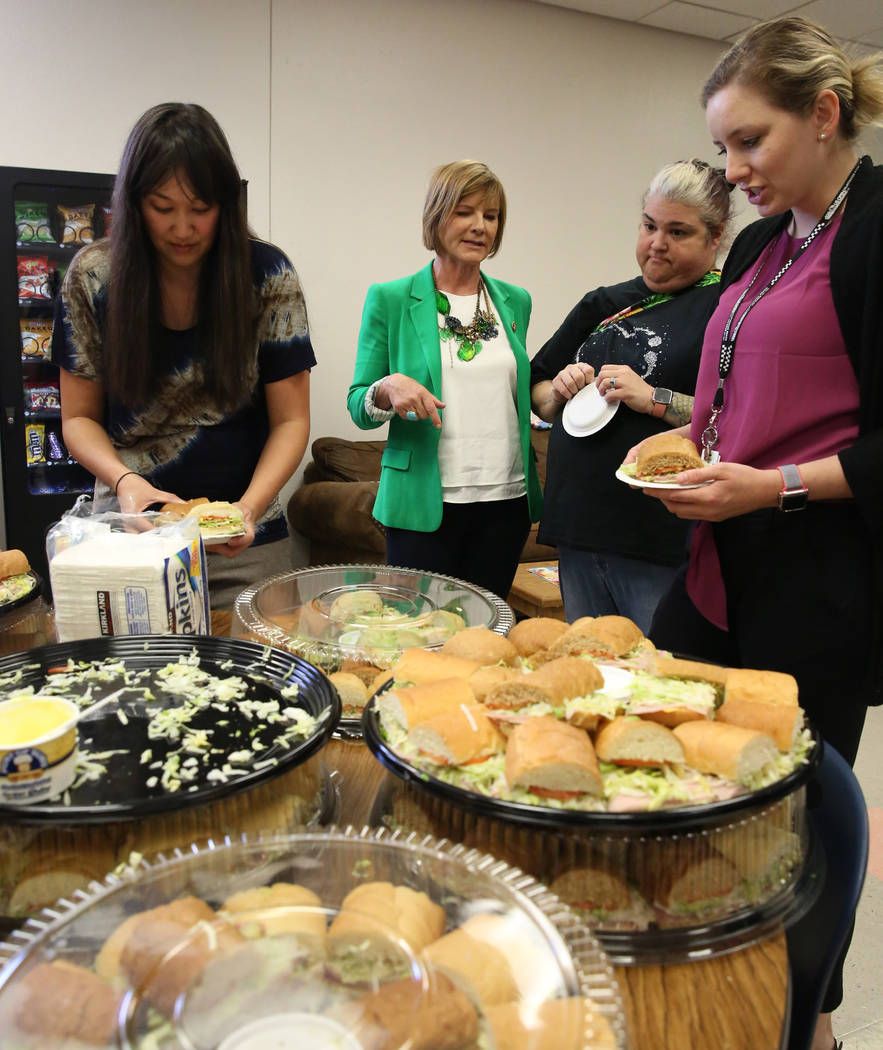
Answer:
[(378, 415), (120, 478)]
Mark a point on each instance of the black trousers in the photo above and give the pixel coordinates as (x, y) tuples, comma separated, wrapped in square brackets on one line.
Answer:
[(800, 599), (477, 542)]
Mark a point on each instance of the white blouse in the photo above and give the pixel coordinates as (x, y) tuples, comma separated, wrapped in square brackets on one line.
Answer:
[(479, 448)]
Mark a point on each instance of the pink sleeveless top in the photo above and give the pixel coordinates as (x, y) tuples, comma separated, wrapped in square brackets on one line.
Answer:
[(791, 395)]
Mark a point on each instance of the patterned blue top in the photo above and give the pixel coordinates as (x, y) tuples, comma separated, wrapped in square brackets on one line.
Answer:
[(179, 440)]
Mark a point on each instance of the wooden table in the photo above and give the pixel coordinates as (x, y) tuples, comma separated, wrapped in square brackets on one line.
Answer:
[(733, 1002), (534, 596)]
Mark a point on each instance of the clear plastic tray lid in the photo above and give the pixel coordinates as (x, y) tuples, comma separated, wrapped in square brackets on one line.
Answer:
[(330, 614), (312, 941)]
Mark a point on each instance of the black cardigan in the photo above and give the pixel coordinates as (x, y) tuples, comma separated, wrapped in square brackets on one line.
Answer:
[(857, 290)]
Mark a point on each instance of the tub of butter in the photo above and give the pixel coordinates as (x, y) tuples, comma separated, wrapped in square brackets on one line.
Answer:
[(38, 749)]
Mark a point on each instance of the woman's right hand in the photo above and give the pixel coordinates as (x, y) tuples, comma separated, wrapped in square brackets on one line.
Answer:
[(136, 494), (403, 394), (570, 380)]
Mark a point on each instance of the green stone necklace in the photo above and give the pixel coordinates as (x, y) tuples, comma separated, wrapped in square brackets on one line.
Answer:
[(482, 326)]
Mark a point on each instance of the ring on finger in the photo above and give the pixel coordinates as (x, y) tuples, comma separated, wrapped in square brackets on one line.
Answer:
[(613, 382)]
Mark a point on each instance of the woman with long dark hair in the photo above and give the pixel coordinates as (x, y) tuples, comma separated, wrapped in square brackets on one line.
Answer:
[(183, 344)]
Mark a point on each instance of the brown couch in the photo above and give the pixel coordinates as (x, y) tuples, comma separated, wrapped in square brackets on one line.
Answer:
[(332, 507)]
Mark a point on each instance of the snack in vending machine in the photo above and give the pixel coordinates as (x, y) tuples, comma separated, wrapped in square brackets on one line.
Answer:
[(33, 277), (78, 223), (57, 451), (106, 218), (42, 396), (32, 223), (35, 437), (36, 336)]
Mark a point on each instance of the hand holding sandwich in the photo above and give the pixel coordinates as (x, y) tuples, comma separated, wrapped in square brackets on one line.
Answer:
[(238, 543)]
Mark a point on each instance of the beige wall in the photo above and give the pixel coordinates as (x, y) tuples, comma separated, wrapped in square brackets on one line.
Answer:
[(337, 110)]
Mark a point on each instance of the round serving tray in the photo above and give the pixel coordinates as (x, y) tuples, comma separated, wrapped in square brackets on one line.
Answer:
[(568, 960), (122, 792), (680, 818), (327, 581), (23, 599)]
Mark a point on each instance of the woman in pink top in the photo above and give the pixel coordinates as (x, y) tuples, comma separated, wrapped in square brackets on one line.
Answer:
[(786, 561)]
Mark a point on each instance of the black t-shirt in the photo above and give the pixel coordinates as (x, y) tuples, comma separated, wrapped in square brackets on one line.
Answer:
[(585, 507)]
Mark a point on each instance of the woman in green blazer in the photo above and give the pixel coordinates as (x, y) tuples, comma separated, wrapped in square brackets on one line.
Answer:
[(442, 358)]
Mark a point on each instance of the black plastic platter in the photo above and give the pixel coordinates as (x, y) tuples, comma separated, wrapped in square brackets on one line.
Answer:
[(120, 726), (23, 599), (675, 818)]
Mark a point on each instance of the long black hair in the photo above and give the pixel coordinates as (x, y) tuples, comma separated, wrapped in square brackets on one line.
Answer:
[(182, 140)]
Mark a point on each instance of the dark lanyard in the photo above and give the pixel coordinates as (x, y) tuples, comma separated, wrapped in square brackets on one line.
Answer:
[(728, 340)]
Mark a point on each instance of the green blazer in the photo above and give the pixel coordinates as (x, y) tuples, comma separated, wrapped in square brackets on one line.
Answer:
[(399, 333)]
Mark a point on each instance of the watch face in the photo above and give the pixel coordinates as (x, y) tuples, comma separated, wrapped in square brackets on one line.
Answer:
[(662, 396), (795, 500)]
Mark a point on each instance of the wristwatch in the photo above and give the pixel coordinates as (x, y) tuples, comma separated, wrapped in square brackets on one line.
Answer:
[(794, 495), (661, 398)]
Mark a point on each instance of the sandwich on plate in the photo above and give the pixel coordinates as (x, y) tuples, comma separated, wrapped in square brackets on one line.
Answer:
[(601, 894), (550, 759), (459, 737), (402, 707), (548, 690), (535, 633), (741, 756), (16, 579), (614, 638), (482, 645), (216, 519), (475, 965), (663, 456), (686, 880), (678, 691), (765, 701)]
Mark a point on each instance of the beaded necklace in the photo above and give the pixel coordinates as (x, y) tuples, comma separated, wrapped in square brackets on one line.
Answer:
[(482, 326)]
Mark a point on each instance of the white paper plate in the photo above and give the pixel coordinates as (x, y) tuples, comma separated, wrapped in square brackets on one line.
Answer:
[(214, 538), (636, 483), (587, 412)]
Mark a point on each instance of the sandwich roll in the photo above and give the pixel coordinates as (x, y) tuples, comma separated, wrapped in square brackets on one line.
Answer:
[(351, 690), (458, 737), (402, 1013), (217, 517), (181, 510), (552, 759), (691, 671), (384, 909), (282, 907), (13, 563), (475, 966), (482, 645), (169, 947), (485, 679), (60, 1004), (663, 456), (630, 741), (405, 706), (554, 683), (780, 721), (687, 881), (535, 633), (419, 666), (609, 637), (556, 1024), (768, 687), (726, 750)]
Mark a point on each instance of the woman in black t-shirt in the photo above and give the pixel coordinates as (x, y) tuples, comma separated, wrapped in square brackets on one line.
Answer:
[(639, 343)]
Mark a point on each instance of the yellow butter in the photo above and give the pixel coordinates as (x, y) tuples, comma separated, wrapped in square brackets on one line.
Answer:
[(22, 721)]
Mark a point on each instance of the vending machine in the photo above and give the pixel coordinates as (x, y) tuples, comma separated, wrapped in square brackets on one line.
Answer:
[(45, 218)]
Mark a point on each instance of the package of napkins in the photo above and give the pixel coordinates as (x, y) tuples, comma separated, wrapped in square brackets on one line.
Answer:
[(114, 573)]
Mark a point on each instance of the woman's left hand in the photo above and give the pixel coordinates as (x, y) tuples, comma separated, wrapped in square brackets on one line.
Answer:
[(239, 543), (621, 383), (737, 489)]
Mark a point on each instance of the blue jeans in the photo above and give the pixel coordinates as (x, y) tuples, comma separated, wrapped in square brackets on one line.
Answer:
[(598, 584)]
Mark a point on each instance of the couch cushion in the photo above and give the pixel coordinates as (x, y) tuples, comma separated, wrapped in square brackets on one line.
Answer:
[(337, 459)]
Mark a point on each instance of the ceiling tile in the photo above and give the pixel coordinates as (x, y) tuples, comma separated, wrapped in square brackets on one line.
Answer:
[(759, 9), (627, 10), (848, 20), (699, 21)]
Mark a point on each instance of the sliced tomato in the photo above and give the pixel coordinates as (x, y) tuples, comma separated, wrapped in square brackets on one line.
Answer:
[(562, 796), (640, 763)]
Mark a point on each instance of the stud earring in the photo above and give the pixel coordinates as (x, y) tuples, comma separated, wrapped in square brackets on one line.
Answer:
[(822, 136)]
